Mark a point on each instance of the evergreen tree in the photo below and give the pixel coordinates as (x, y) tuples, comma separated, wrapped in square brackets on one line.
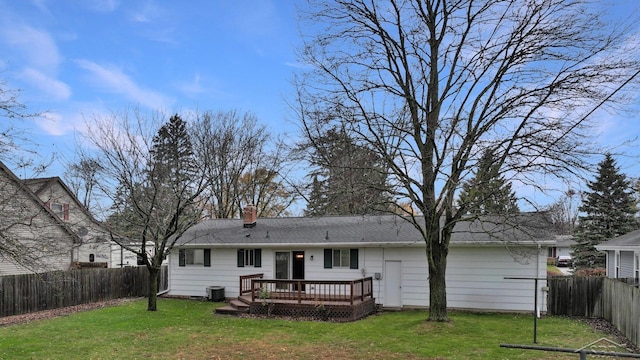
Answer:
[(172, 163), (487, 192), (170, 170), (350, 179), (317, 201), (609, 210)]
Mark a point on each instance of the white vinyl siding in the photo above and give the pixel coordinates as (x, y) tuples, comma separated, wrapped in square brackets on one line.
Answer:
[(611, 263), (626, 264), (475, 275)]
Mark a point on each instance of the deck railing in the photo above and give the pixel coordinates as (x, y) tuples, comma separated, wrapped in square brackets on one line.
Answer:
[(312, 290), (246, 286)]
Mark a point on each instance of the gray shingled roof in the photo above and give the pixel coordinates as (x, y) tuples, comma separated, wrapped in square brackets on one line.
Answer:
[(358, 231), (628, 240)]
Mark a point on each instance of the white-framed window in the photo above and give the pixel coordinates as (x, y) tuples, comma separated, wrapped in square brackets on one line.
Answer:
[(617, 264), (341, 258), (636, 265), (249, 255), (194, 257)]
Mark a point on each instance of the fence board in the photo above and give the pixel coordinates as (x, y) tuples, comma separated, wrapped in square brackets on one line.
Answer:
[(22, 294)]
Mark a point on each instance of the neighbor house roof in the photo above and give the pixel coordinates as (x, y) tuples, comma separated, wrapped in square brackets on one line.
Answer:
[(40, 185), (628, 241), (565, 241), (365, 231), (9, 175)]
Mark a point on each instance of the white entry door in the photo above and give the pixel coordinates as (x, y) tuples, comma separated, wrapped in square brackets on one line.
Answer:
[(392, 283)]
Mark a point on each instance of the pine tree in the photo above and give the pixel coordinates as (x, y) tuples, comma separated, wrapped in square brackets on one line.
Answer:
[(487, 192), (317, 201), (350, 179), (170, 170), (172, 163), (609, 210)]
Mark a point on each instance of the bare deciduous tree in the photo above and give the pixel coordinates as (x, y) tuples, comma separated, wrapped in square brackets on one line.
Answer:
[(564, 212), (237, 150), (431, 85), (16, 146), (30, 237), (82, 178), (152, 212)]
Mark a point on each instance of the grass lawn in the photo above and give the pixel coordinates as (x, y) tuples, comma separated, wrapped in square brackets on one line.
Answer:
[(552, 270), (187, 329)]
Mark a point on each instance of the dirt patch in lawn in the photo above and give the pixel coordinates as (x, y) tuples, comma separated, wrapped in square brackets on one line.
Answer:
[(48, 314)]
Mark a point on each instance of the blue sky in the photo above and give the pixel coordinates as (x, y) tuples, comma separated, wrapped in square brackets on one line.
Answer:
[(73, 59)]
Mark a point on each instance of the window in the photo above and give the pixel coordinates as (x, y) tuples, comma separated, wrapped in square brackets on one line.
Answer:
[(341, 258), (617, 264), (194, 257), (250, 257), (636, 267), (61, 210)]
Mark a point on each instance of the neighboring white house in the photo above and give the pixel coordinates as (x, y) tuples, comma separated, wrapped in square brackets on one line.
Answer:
[(96, 245), (482, 256), (562, 247), (95, 242), (623, 255), (32, 237)]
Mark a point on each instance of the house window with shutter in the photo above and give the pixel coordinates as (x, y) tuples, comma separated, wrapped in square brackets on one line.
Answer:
[(61, 210), (341, 258), (194, 257), (249, 257)]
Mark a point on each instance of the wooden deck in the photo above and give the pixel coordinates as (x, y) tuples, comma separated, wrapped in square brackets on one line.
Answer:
[(316, 299)]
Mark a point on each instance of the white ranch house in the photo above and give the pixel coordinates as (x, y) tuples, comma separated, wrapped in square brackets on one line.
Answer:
[(623, 255), (386, 248)]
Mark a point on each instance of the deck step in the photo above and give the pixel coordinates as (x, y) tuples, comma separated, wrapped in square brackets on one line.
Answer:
[(237, 304), (230, 310)]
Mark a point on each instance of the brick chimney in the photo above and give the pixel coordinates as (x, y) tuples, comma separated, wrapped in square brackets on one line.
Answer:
[(249, 216)]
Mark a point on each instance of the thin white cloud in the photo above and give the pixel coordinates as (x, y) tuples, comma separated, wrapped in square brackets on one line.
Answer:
[(54, 89), (299, 65), (38, 47), (116, 81), (52, 124), (104, 6), (71, 120), (148, 13), (194, 87), (155, 22)]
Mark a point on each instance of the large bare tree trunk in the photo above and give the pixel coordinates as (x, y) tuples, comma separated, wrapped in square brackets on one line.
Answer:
[(437, 285), (152, 303)]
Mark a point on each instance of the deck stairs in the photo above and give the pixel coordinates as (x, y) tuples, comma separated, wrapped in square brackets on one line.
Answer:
[(236, 306)]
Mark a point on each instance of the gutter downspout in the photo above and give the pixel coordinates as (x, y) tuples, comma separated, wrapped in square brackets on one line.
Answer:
[(537, 275)]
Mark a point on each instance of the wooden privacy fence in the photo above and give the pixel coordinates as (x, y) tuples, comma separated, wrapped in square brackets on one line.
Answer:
[(22, 294), (615, 300)]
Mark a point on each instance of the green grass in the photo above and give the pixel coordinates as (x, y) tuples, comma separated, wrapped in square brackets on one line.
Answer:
[(184, 329), (552, 270)]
